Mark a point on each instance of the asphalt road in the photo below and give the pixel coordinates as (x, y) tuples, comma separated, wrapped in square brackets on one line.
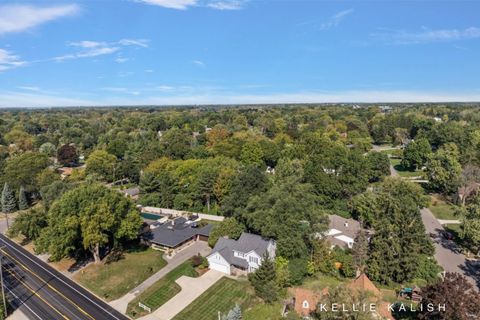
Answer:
[(447, 253), (41, 292)]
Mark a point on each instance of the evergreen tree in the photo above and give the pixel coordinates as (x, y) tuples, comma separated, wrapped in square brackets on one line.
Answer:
[(360, 250), (264, 280), (22, 199), (234, 314), (9, 203)]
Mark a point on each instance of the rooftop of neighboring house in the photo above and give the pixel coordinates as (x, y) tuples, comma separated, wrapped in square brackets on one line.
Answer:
[(364, 284), (246, 243), (348, 227), (175, 232), (134, 191), (311, 298)]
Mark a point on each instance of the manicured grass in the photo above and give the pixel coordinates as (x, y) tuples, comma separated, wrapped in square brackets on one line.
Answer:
[(442, 210), (222, 296), (162, 290), (404, 172), (112, 280), (261, 311)]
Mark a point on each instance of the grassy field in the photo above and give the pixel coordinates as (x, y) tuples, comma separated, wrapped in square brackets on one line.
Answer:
[(112, 280), (320, 282), (162, 290), (222, 296), (404, 172), (441, 209)]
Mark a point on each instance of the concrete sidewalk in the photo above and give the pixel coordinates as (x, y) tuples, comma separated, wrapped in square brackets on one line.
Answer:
[(194, 249), (192, 288)]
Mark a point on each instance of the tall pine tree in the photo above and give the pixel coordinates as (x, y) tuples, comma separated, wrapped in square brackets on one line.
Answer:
[(22, 199), (9, 203), (264, 280)]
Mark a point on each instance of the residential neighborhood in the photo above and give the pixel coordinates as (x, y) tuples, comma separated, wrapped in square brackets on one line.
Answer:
[(239, 160)]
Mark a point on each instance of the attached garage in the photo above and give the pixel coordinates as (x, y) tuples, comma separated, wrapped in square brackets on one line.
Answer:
[(217, 262)]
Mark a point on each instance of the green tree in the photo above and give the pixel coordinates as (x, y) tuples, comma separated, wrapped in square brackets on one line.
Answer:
[(470, 227), (264, 280), (282, 271), (48, 148), (247, 183), (176, 143), (399, 243), (29, 223), (22, 199), (234, 314), (288, 211), (89, 218), (252, 154), (102, 164), (22, 170), (339, 296), (379, 164), (360, 250), (229, 227), (444, 169), (9, 202), (416, 154)]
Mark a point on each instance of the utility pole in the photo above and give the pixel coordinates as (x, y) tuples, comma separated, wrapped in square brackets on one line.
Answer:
[(3, 288)]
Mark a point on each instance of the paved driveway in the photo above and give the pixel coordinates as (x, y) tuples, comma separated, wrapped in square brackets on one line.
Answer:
[(447, 253), (194, 249), (192, 288)]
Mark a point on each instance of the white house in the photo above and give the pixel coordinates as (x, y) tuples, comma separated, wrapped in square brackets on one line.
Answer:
[(240, 256)]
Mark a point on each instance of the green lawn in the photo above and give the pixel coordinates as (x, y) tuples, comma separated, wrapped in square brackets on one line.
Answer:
[(113, 280), (262, 311), (162, 290), (222, 296), (404, 172), (320, 282), (442, 210)]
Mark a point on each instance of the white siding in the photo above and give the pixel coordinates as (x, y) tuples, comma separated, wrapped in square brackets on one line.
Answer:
[(217, 262)]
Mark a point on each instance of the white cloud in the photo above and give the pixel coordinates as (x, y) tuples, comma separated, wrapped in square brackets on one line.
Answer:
[(172, 4), (199, 63), (29, 88), (9, 60), (134, 42), (227, 5), (16, 17), (402, 37), (87, 44), (149, 71), (96, 48), (336, 19)]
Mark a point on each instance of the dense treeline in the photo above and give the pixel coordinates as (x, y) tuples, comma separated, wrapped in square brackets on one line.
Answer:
[(276, 171)]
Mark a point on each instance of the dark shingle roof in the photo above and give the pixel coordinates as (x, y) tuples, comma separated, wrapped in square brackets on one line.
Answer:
[(224, 247), (174, 233), (251, 242), (246, 243)]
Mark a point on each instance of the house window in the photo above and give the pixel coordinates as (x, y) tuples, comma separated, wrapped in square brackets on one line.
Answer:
[(305, 304), (253, 259)]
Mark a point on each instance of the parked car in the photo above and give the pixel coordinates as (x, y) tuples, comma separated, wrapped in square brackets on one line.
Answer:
[(447, 235)]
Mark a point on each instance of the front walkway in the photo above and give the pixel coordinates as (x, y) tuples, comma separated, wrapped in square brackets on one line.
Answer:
[(182, 256), (192, 288)]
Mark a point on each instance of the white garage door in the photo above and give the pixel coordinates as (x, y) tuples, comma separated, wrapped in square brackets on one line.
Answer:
[(219, 267)]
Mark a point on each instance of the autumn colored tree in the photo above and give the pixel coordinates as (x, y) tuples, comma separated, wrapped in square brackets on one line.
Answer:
[(456, 297)]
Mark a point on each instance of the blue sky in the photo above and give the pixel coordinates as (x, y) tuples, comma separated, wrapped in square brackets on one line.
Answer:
[(112, 52)]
